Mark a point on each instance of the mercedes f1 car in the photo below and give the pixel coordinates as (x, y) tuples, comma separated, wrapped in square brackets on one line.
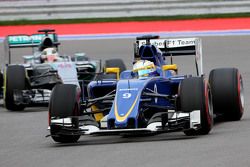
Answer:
[(30, 83), (151, 104)]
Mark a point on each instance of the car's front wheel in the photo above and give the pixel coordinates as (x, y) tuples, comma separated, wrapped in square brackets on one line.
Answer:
[(15, 79), (64, 105), (195, 94)]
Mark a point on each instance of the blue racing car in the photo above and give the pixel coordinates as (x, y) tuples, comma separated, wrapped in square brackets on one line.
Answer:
[(151, 98)]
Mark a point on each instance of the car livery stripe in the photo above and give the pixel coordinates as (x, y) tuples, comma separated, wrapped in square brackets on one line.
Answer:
[(123, 118)]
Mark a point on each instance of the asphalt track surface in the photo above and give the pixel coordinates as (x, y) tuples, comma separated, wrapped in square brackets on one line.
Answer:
[(22, 134)]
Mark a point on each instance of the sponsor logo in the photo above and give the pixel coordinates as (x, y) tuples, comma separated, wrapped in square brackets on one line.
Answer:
[(25, 39), (170, 43), (180, 42), (126, 95), (159, 43), (128, 89)]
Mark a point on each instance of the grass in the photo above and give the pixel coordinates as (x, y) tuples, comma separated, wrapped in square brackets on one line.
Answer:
[(123, 19)]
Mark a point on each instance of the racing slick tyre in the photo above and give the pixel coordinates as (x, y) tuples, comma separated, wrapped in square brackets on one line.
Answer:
[(195, 94), (227, 91), (15, 79), (64, 103)]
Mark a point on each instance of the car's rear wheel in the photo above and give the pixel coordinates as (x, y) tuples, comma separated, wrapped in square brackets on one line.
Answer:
[(195, 94), (228, 93), (64, 104), (15, 79)]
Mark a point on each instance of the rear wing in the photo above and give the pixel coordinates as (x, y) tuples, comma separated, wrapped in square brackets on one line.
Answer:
[(24, 41), (176, 47)]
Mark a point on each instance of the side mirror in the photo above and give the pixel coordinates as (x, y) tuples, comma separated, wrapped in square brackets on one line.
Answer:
[(170, 67), (114, 70)]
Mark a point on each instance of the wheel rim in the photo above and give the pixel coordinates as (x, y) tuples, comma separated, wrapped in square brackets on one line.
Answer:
[(241, 94), (209, 105)]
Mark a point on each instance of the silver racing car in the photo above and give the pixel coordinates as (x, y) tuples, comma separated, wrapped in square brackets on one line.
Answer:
[(30, 83)]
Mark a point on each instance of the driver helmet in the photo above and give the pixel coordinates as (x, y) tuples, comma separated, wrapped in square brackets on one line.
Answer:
[(49, 55), (144, 68)]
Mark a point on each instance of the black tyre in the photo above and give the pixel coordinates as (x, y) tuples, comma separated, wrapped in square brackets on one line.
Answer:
[(195, 95), (15, 80), (227, 91), (64, 103)]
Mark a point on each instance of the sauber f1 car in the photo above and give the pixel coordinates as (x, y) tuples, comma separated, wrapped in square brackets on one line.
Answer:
[(140, 103), (30, 83)]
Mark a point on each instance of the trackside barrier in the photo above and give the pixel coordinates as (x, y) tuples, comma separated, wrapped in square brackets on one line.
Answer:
[(66, 9)]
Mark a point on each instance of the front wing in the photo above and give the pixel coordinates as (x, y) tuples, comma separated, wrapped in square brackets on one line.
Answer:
[(177, 122)]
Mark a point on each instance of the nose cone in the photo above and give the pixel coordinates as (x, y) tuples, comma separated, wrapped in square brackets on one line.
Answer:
[(126, 104), (126, 108)]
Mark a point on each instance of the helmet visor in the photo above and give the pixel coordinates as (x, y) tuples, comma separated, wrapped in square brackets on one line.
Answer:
[(144, 72)]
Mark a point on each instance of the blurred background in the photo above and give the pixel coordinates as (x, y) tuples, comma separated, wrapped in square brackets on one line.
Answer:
[(69, 9)]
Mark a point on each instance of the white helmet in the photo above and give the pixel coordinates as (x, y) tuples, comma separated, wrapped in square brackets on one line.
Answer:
[(144, 68), (49, 55)]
